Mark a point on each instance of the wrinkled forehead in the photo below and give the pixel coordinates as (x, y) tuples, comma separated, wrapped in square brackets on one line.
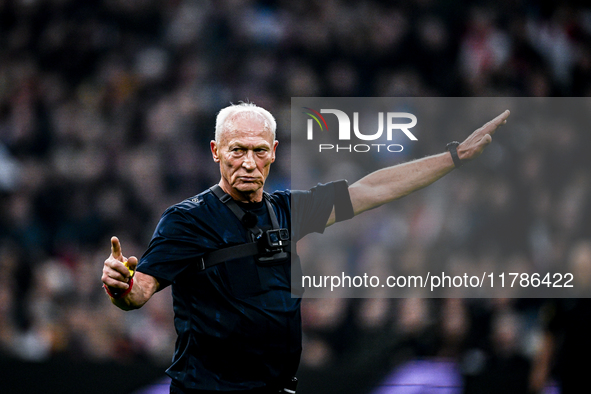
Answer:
[(251, 126)]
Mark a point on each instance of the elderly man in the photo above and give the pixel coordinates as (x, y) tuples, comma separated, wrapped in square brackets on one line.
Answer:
[(227, 252)]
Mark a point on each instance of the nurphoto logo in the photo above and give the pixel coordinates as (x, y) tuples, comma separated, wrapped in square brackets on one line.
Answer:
[(392, 120)]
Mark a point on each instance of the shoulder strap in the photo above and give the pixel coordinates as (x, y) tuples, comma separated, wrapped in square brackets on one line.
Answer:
[(274, 221), (239, 212), (242, 250), (236, 210)]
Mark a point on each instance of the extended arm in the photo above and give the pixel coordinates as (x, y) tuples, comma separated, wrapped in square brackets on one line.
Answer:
[(116, 275), (391, 183)]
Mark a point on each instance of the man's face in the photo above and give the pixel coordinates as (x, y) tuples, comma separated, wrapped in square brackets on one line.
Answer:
[(245, 153)]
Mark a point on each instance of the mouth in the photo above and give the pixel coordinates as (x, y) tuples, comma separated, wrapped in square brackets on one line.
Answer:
[(248, 179)]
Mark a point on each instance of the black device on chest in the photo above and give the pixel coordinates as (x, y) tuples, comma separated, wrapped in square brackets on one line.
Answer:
[(267, 247)]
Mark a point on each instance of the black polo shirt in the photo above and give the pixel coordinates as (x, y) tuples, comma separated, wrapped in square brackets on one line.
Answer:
[(238, 325)]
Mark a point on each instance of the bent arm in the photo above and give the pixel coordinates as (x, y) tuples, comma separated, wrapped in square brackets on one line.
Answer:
[(119, 273)]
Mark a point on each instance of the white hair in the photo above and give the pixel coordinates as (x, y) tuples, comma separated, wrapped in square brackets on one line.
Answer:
[(226, 116)]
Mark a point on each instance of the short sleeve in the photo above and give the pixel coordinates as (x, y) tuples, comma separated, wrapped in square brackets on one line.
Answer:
[(177, 242)]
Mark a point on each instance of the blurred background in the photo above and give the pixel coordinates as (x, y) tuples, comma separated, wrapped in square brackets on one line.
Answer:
[(106, 113)]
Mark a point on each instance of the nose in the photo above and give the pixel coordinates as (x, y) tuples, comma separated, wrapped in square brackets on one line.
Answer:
[(249, 162)]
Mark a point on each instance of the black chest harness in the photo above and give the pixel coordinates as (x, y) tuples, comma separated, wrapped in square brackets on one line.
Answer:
[(268, 247), (272, 246)]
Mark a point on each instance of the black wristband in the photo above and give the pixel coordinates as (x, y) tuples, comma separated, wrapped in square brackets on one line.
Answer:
[(452, 147)]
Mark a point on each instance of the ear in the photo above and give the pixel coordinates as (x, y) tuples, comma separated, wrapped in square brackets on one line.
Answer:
[(274, 149), (214, 151)]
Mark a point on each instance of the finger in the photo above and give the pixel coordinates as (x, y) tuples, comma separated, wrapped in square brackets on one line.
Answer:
[(131, 263), (501, 119), (111, 275), (491, 126), (111, 282), (116, 269), (116, 248)]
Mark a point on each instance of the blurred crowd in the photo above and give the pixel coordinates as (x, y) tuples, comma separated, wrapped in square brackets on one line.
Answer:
[(107, 108)]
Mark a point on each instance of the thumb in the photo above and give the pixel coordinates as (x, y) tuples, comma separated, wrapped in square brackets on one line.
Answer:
[(487, 139), (116, 248), (131, 263)]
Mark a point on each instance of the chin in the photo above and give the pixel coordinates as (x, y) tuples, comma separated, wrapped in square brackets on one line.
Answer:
[(249, 188)]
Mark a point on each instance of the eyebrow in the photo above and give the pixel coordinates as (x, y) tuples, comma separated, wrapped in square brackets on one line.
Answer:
[(265, 145)]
